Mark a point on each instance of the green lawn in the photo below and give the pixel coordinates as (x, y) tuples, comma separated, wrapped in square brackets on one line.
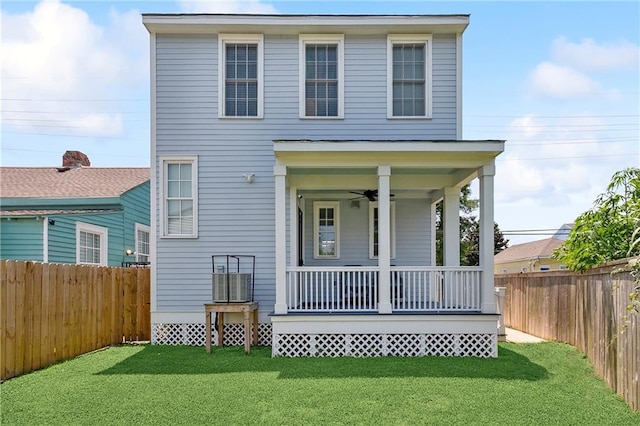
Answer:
[(536, 384)]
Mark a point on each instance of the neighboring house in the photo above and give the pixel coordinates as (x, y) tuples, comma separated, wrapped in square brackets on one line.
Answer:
[(534, 256), (321, 146), (75, 213), (563, 232)]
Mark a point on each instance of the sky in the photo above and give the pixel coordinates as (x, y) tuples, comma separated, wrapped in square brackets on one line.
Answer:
[(559, 81)]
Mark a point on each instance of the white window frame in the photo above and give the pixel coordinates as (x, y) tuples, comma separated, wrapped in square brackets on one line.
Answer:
[(427, 40), (223, 40), (304, 39), (374, 205), (164, 162), (317, 205), (102, 232), (143, 228)]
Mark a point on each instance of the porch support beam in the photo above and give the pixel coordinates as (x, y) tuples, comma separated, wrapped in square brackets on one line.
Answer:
[(384, 239), (486, 174), (280, 173), (451, 237)]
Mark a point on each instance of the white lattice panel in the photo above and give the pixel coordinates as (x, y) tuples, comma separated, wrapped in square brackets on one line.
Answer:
[(194, 334), (366, 345), (405, 344), (178, 334)]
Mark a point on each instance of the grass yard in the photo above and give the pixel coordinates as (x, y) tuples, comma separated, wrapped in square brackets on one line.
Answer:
[(535, 384)]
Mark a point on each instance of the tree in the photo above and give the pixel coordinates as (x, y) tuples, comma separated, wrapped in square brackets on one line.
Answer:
[(471, 241), (469, 231), (606, 231)]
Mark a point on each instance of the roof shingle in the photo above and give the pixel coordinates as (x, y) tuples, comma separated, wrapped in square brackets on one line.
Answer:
[(533, 250), (48, 182)]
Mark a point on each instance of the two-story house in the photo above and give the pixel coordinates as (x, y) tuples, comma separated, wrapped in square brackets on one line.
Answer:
[(321, 145)]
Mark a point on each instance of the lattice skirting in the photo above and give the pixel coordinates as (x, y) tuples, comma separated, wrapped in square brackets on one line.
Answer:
[(368, 345), (194, 334)]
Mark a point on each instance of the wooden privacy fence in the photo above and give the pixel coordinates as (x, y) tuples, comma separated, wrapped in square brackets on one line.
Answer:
[(588, 311), (52, 312)]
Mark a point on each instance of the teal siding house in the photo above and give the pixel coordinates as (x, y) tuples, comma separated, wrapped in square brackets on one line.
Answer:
[(75, 213)]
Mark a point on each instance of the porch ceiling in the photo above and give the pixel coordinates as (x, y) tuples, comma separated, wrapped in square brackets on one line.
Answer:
[(415, 165)]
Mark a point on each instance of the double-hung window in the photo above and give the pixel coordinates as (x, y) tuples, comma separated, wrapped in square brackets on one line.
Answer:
[(91, 244), (374, 239), (240, 83), (409, 76), (142, 242), (179, 186), (321, 76), (326, 230)]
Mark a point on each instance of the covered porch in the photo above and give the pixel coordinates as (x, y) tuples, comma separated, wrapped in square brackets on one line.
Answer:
[(356, 235)]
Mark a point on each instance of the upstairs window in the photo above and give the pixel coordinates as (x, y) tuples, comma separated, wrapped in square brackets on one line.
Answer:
[(179, 206), (240, 81), (409, 76), (326, 230), (321, 76)]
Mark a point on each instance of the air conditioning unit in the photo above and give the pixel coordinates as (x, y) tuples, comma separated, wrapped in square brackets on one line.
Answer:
[(237, 284)]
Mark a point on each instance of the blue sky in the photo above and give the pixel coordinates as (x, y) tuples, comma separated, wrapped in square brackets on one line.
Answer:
[(558, 80)]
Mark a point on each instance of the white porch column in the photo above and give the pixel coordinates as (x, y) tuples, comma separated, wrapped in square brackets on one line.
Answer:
[(280, 173), (433, 257), (485, 175), (451, 228), (384, 239)]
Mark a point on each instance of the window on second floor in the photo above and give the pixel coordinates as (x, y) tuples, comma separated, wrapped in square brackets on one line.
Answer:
[(409, 76), (240, 85), (91, 244), (179, 189), (321, 76)]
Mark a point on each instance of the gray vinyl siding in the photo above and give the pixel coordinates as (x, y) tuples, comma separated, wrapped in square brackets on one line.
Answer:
[(236, 217), (21, 239)]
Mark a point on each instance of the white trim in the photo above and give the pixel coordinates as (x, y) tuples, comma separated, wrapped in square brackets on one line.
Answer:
[(280, 177), (293, 24), (143, 228), (154, 171), (45, 239), (335, 205), (240, 39), (459, 86), (373, 205), (104, 242), (427, 40), (304, 39), (164, 161)]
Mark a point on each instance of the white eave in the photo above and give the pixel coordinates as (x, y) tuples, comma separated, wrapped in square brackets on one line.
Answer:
[(399, 153), (296, 24)]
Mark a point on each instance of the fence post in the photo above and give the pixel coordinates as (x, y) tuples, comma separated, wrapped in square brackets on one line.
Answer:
[(499, 293)]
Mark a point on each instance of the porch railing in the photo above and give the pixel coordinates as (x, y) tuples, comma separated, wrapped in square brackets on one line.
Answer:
[(356, 289)]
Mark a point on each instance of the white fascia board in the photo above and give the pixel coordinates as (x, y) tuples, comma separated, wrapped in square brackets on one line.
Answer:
[(388, 146), (283, 24)]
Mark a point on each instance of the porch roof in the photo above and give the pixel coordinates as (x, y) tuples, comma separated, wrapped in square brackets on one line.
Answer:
[(456, 162)]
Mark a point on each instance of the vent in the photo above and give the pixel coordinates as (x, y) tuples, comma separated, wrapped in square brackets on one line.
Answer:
[(231, 287)]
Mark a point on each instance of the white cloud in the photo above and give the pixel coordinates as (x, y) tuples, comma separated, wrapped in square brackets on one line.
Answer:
[(226, 6), (54, 59), (590, 55), (559, 82)]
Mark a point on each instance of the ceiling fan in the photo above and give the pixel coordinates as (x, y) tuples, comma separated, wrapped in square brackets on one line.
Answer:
[(369, 194)]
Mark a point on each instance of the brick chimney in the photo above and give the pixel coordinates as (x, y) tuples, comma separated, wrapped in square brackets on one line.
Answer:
[(75, 159)]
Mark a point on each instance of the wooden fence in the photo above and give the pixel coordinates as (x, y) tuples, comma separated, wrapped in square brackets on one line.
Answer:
[(52, 312), (588, 311)]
